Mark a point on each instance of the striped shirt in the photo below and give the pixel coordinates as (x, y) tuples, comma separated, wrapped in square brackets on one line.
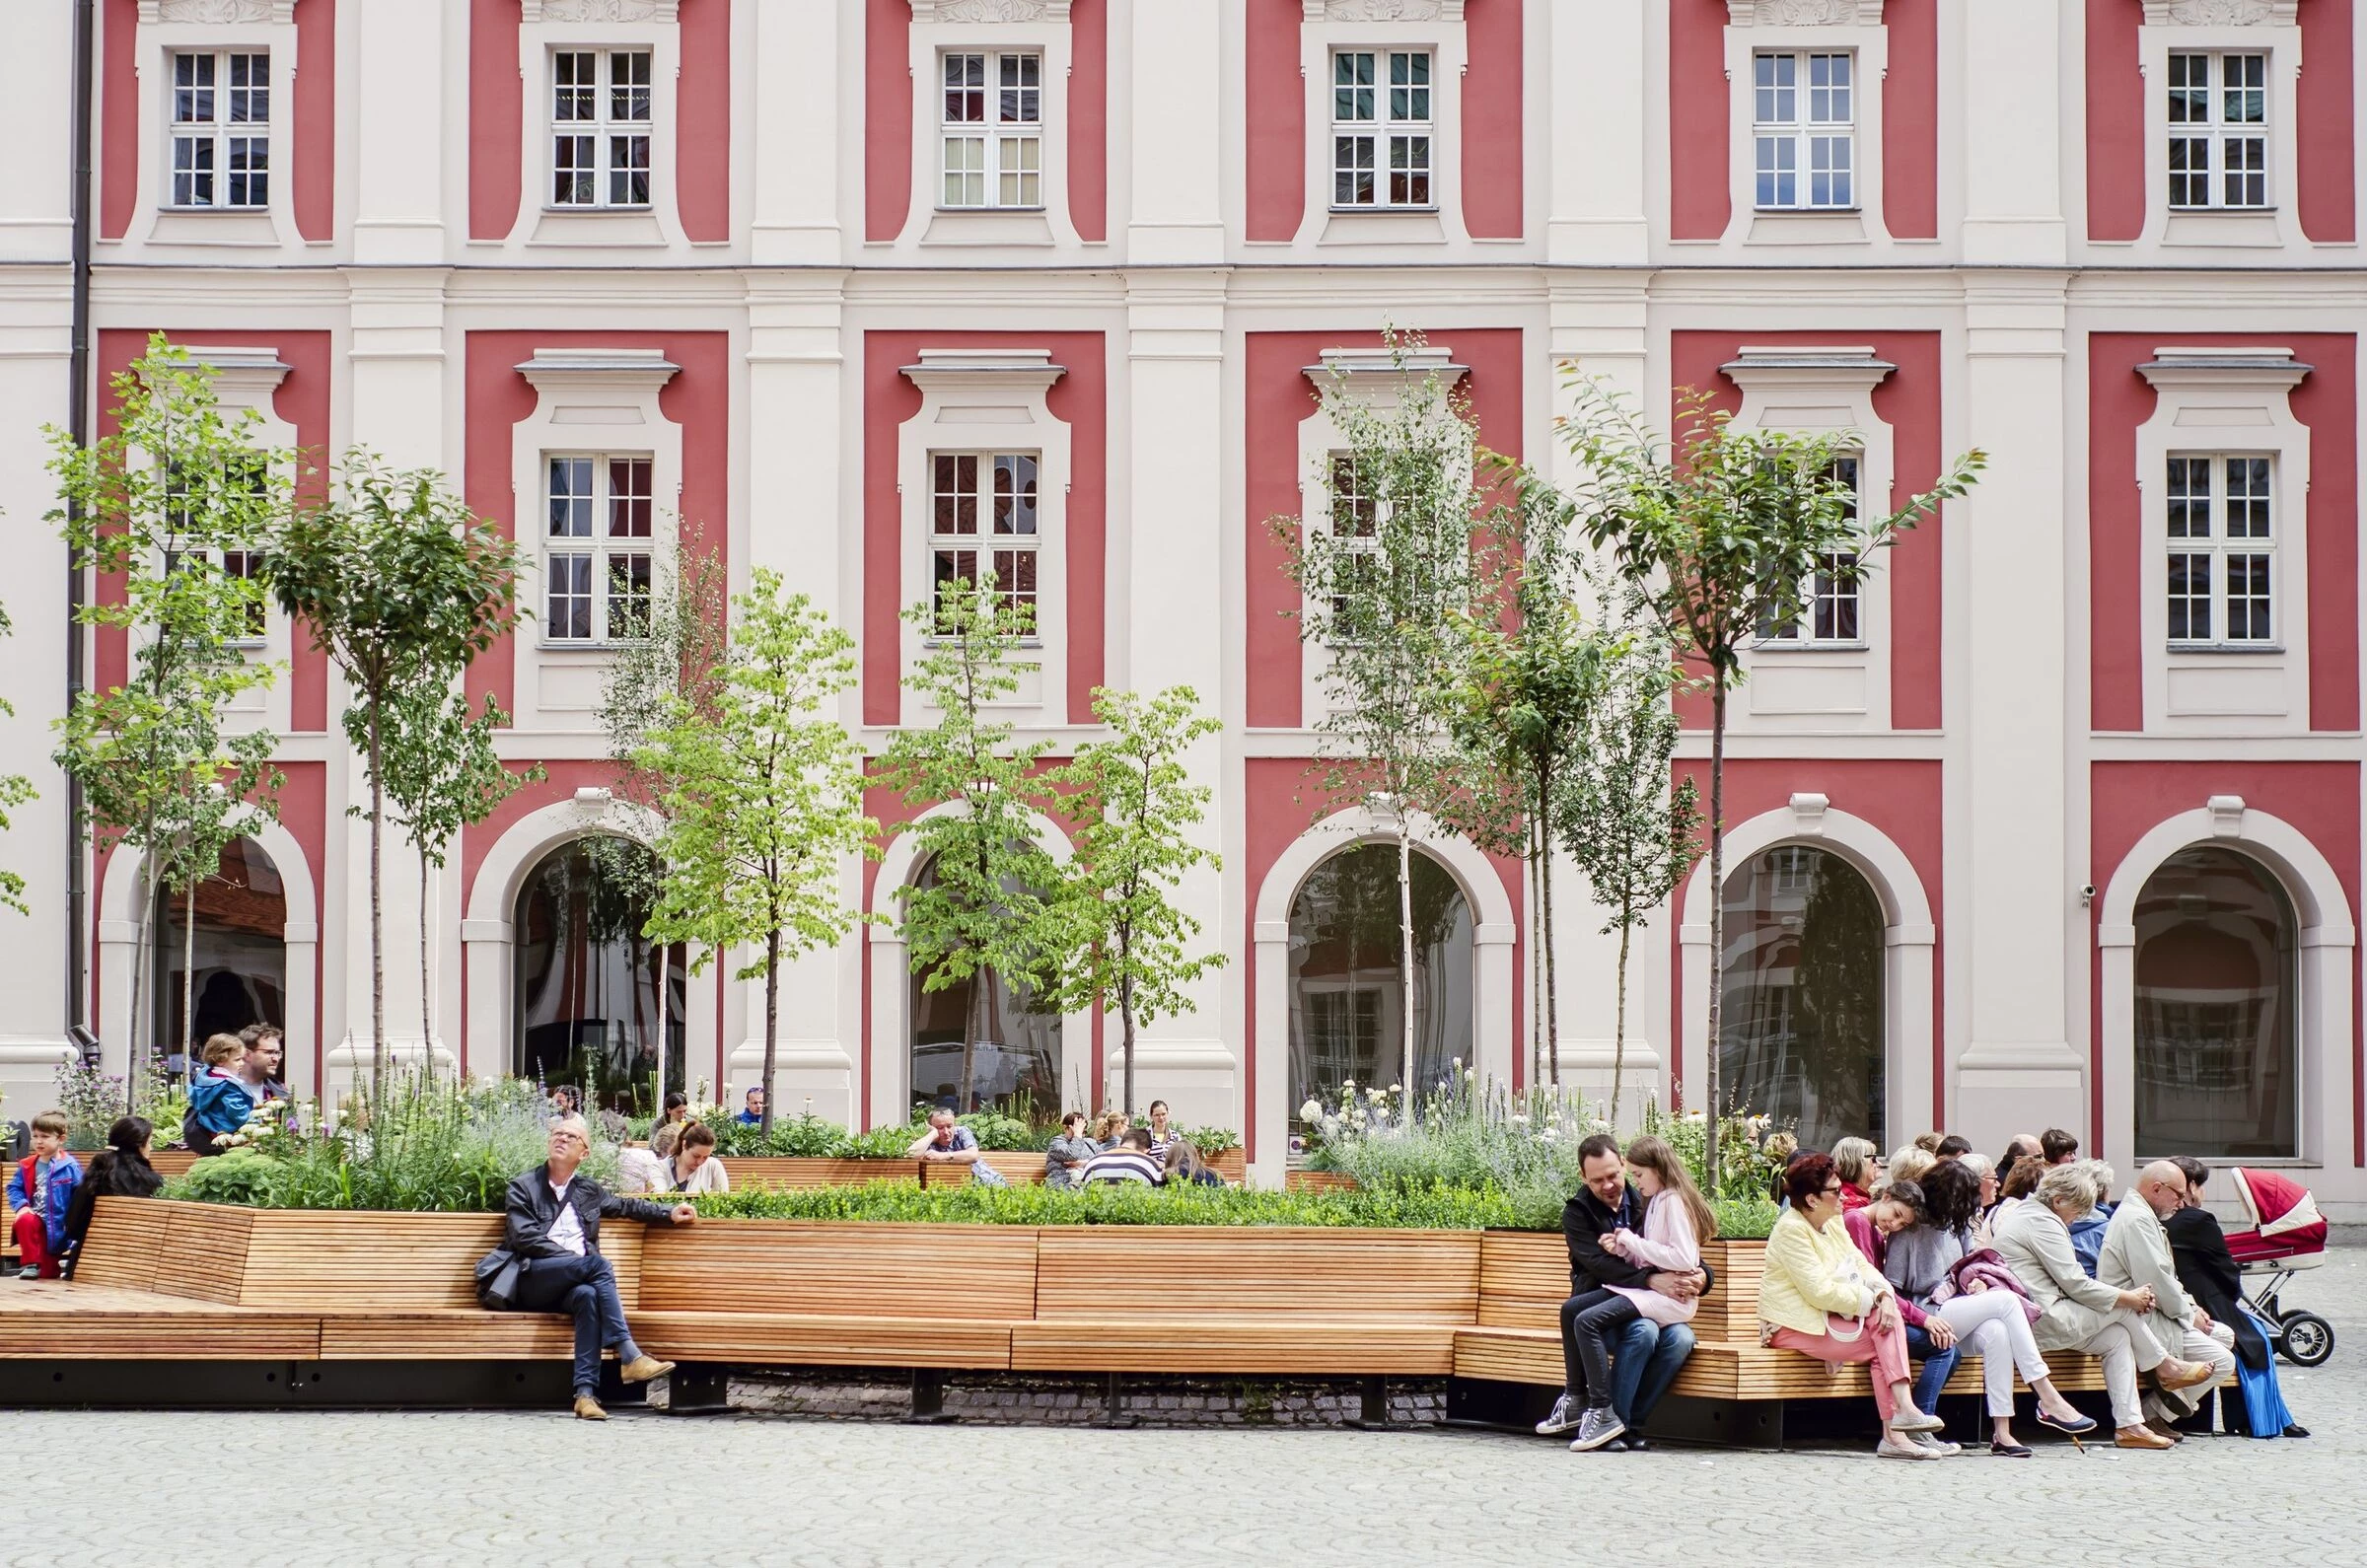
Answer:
[(1122, 1164)]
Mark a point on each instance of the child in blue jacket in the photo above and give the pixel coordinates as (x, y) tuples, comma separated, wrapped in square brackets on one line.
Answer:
[(39, 1189)]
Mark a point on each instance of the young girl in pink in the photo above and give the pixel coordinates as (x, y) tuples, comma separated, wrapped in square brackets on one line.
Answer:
[(1677, 1220)]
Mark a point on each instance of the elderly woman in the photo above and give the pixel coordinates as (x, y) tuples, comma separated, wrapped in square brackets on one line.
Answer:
[(1066, 1156), (1908, 1164), (1853, 1159), (2077, 1313), (1927, 1230), (1821, 1297)]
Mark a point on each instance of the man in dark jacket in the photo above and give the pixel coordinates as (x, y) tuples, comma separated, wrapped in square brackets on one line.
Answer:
[(2210, 1274), (1645, 1358), (554, 1230)]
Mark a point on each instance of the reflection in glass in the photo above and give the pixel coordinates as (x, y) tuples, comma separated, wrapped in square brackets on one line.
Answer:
[(587, 1003), (1014, 1063), (1801, 1039), (241, 949), (2216, 1065), (1346, 988)]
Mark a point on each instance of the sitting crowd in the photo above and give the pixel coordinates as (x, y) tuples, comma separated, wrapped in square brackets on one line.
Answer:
[(1910, 1264), (1156, 1154)]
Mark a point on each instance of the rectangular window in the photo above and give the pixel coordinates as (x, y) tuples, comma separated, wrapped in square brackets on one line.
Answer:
[(222, 129), (1804, 131), (242, 564), (597, 549), (993, 130), (1356, 521), (2218, 130), (983, 519), (2220, 514), (600, 128), (1830, 608), (1380, 128)]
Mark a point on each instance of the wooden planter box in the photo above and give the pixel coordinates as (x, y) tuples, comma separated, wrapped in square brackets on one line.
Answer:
[(1318, 1182), (1015, 1165)]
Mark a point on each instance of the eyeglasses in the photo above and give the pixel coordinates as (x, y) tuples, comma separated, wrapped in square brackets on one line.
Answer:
[(1832, 1191)]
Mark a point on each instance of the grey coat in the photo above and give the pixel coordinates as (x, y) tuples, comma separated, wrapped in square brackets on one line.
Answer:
[(2073, 1309)]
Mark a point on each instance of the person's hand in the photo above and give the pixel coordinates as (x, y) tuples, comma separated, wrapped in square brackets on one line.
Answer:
[(1975, 1286), (684, 1214), (1936, 1329), (2143, 1299), (1886, 1315), (2202, 1322), (1615, 1242)]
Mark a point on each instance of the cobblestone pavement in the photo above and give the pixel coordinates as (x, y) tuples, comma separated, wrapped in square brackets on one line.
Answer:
[(529, 1489)]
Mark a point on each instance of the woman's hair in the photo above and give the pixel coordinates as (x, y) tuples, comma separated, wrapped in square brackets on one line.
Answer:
[(1106, 1125), (1157, 1106), (2055, 1145), (2104, 1177), (1910, 1163), (676, 1100), (1182, 1159), (695, 1135), (1806, 1179), (1070, 1118), (2193, 1169), (1648, 1153), (1952, 1195), (130, 1134), (1954, 1147), (1928, 1142), (1854, 1158), (220, 1049), (1909, 1195), (663, 1141), (1977, 1162), (2072, 1185), (2022, 1178)]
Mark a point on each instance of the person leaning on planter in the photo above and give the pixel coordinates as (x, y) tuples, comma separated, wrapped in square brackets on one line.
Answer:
[(549, 1260), (118, 1171)]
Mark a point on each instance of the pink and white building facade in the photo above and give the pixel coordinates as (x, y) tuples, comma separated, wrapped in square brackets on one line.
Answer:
[(2058, 821)]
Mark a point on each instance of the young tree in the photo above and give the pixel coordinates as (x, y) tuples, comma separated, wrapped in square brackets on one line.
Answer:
[(1386, 586), (762, 796), (1725, 532), (989, 908), (15, 790), (1632, 837), (397, 583), (1134, 807), (158, 510)]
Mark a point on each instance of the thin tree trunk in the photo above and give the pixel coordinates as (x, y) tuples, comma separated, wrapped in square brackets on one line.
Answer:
[(1553, 975), (141, 990), (188, 968), (772, 1017), (378, 958), (1717, 914), (1618, 1026), (1125, 1016), (427, 1006), (973, 1015), (1405, 953), (1537, 1000), (665, 1034)]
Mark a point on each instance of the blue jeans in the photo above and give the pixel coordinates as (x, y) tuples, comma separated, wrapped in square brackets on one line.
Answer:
[(1936, 1365), (586, 1289), (1644, 1360)]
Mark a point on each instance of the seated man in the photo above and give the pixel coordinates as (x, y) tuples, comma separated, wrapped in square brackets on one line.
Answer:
[(948, 1142), (754, 1112), (1130, 1159), (1645, 1358), (2136, 1253), (553, 1215)]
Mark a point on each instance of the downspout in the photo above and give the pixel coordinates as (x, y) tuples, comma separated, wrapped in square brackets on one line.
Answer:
[(78, 423)]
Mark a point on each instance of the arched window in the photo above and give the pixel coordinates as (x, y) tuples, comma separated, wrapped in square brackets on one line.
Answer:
[(1013, 1064), (2218, 1074), (1801, 1036), (240, 950), (588, 1004), (1346, 977)]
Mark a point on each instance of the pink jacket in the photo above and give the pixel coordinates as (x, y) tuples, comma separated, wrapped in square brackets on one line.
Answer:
[(1986, 1266), (1669, 1243)]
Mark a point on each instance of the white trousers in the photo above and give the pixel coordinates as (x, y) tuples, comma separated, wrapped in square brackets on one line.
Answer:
[(1993, 1327), (2196, 1345), (2126, 1346)]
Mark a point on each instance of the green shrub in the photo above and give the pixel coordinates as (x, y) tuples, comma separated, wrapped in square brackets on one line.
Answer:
[(242, 1176), (1124, 1203), (1210, 1141)]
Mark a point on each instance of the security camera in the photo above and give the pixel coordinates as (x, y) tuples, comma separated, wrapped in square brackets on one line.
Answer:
[(2087, 892)]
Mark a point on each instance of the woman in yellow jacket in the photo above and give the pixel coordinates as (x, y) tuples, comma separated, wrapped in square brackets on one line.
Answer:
[(1821, 1297)]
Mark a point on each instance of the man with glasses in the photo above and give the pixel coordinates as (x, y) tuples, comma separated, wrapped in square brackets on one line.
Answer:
[(2136, 1253)]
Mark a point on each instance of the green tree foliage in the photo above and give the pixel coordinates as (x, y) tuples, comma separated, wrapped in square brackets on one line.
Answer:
[(991, 905), (150, 509), (1134, 806), (761, 790), (1723, 531), (402, 587)]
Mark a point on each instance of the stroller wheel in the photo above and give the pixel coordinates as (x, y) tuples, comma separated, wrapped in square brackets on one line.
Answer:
[(2307, 1339)]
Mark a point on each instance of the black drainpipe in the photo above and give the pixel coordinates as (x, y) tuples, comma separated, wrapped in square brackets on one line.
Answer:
[(78, 421)]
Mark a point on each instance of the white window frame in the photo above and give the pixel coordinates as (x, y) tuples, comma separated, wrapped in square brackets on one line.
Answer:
[(612, 136), (975, 402), (1852, 28), (548, 29), (983, 543), (1383, 130), (1797, 142), (2200, 528), (2219, 403), (994, 27), (1010, 153), (601, 549), (1819, 623), (2268, 28), (218, 132), (2215, 133)]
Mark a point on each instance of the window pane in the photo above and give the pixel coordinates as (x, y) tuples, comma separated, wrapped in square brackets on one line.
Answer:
[(628, 86), (1015, 495), (2190, 598), (2248, 498), (965, 89), (2188, 497), (2217, 1069), (1802, 974), (629, 594), (571, 498), (567, 613), (574, 85), (628, 497), (1352, 171)]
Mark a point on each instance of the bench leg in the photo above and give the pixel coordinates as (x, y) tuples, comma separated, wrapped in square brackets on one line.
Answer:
[(698, 1387), (1113, 1404), (929, 1399), (1373, 1404)]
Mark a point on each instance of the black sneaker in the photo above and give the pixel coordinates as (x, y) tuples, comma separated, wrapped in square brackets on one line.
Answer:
[(1614, 1445), (1597, 1427), (1637, 1442), (1566, 1414)]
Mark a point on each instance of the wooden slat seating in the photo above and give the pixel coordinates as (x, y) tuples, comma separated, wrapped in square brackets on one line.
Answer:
[(1154, 1299), (791, 1293)]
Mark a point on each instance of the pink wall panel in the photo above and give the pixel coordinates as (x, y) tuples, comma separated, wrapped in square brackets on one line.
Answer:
[(1089, 122), (2117, 193), (1276, 128), (315, 104), (1910, 120), (1699, 204), (1492, 129), (888, 89), (496, 110), (2329, 143), (704, 149)]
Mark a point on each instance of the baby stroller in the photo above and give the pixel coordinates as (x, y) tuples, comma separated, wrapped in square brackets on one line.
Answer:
[(2287, 1235)]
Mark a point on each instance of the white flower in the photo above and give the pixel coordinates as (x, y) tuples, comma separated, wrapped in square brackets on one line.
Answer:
[(1397, 1088), (1312, 1111)]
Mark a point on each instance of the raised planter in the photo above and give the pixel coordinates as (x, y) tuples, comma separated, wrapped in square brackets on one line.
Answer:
[(1014, 1164)]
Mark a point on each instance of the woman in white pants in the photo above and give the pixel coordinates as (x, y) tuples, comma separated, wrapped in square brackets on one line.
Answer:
[(1987, 1321)]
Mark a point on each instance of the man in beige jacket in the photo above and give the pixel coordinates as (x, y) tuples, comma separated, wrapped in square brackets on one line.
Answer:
[(2137, 1253)]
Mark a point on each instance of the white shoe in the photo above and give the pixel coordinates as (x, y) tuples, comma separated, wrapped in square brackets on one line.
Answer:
[(1899, 1448), (1938, 1446), (1566, 1414), (1906, 1418)]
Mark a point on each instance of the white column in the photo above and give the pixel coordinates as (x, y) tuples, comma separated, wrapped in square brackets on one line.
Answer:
[(2020, 927), (1176, 185), (795, 220), (2014, 186), (1595, 147), (399, 161)]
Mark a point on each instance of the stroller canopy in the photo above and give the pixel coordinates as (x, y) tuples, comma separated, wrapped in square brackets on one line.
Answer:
[(2283, 1213)]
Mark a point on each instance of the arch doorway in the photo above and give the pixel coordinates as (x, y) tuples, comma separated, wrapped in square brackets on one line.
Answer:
[(1346, 977), (2217, 1016), (1014, 1062), (590, 990), (1801, 1036), (239, 960)]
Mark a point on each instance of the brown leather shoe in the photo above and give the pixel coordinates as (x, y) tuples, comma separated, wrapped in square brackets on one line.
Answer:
[(2187, 1375), (2140, 1437), (641, 1369), (587, 1408)]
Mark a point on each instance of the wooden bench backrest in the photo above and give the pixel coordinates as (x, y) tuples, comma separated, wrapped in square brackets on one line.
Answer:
[(1522, 1280), (194, 1251), (1320, 1274), (953, 1272)]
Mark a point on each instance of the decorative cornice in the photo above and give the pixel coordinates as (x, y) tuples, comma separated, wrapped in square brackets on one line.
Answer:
[(990, 10), (947, 369), (2227, 815), (1804, 13), (273, 12), (1379, 365), (1381, 10), (2224, 367), (1788, 366), (1808, 814), (242, 377), (2222, 12), (599, 10), (583, 369)]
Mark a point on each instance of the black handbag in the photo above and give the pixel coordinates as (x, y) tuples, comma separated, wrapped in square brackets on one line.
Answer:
[(498, 1276)]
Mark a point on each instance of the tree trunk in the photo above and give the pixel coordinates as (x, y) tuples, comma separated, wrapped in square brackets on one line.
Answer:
[(134, 1054), (773, 1017), (1536, 999), (1553, 980), (665, 1034), (378, 953), (973, 1021), (1125, 1018), (1405, 956), (1717, 918), (189, 971), (427, 1006), (1618, 1023)]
